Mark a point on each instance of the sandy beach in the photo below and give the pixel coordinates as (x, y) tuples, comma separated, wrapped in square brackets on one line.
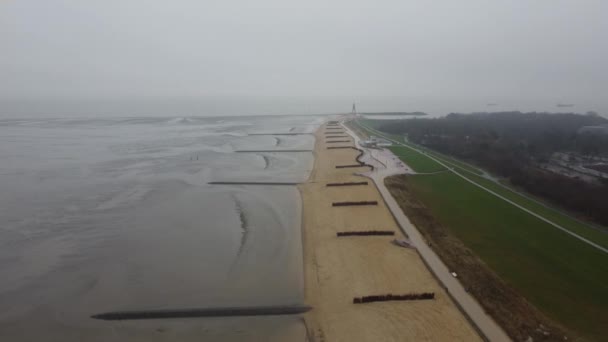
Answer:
[(338, 269)]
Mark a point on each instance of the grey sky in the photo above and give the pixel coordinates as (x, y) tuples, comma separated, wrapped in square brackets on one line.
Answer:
[(545, 48)]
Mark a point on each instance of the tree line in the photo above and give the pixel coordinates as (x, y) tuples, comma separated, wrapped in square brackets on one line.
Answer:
[(514, 145)]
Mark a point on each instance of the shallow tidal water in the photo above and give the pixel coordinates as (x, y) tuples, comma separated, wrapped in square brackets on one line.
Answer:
[(116, 214)]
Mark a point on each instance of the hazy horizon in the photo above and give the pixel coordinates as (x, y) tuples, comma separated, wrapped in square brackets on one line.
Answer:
[(314, 57), (267, 105)]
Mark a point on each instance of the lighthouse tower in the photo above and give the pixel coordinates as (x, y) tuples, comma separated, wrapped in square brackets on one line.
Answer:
[(354, 112)]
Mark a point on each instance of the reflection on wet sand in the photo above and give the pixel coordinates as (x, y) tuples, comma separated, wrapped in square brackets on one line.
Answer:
[(125, 220)]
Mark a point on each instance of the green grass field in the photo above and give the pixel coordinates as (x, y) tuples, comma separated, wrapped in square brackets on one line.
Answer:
[(564, 277), (554, 215), (417, 161), (595, 235), (449, 160), (426, 164)]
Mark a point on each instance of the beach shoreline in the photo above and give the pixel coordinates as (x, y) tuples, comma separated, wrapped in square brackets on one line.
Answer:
[(337, 269)]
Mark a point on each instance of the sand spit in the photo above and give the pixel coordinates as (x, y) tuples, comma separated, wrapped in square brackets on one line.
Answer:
[(337, 270)]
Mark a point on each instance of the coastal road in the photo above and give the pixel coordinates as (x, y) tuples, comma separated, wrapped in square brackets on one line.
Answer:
[(472, 309)]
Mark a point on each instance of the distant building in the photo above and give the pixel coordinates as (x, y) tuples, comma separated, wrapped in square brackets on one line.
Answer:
[(371, 142), (375, 142)]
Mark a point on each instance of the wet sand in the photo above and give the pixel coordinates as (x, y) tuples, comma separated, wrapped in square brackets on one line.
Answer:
[(338, 269), (117, 214)]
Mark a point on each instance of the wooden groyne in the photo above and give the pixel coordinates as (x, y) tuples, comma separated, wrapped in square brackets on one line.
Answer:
[(346, 204), (366, 233), (390, 297), (358, 159), (280, 134), (390, 267), (349, 166), (336, 141), (257, 151), (204, 312), (253, 183), (337, 136), (346, 184)]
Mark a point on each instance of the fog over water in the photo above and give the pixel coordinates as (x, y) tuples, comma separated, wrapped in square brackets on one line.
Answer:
[(113, 214)]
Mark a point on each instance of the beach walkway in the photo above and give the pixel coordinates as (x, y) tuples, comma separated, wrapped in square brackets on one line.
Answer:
[(386, 164), (338, 269)]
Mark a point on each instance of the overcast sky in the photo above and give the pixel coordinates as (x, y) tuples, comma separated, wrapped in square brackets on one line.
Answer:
[(75, 48)]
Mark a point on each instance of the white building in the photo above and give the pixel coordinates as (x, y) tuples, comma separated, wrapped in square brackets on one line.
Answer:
[(374, 142)]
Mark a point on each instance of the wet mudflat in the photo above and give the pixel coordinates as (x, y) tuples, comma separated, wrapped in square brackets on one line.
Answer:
[(116, 214)]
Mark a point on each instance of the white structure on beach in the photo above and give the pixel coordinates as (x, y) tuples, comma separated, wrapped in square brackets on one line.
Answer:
[(375, 142)]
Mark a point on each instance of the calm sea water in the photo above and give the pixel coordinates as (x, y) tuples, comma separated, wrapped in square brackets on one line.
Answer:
[(116, 214)]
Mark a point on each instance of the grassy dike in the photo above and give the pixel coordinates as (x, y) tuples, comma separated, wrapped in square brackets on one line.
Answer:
[(555, 215), (508, 258)]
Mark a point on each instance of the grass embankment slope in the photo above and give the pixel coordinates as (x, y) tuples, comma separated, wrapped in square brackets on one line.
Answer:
[(587, 231), (501, 252), (417, 161)]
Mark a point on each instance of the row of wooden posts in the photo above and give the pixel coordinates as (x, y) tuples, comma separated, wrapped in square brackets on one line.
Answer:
[(349, 166), (373, 298), (346, 204), (390, 297), (358, 158), (346, 184), (366, 233)]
